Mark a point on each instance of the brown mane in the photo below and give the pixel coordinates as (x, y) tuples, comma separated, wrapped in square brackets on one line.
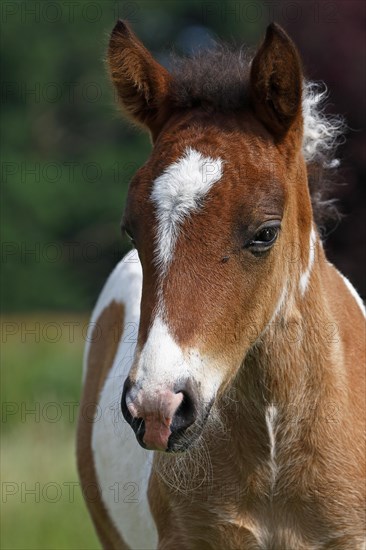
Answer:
[(217, 80)]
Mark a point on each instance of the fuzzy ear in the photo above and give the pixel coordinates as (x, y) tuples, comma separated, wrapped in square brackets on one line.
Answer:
[(142, 84), (276, 82)]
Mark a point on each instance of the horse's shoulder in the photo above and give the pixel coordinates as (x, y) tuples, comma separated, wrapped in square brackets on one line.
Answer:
[(113, 468), (118, 304)]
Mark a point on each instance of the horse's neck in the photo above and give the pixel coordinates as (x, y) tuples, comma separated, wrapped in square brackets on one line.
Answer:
[(293, 372)]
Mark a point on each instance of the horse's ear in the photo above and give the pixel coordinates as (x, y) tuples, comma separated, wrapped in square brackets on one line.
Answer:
[(276, 82), (141, 83)]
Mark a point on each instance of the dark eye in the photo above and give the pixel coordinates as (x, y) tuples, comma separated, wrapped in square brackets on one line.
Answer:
[(264, 238)]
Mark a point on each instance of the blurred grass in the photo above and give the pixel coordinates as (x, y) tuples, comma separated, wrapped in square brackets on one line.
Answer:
[(42, 504)]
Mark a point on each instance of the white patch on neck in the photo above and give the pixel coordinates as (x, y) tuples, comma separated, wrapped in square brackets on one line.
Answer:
[(354, 293), (271, 417), (177, 192), (126, 273), (304, 279)]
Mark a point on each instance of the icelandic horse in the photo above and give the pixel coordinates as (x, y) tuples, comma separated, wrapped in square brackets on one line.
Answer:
[(225, 339)]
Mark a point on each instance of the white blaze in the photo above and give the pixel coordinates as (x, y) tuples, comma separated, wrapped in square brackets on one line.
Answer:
[(178, 192), (163, 362)]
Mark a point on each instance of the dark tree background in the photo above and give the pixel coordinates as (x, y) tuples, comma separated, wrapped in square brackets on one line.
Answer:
[(67, 155)]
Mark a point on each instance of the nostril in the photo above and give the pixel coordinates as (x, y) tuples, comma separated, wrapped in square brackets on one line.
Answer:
[(158, 417), (186, 413), (125, 411), (136, 423), (126, 404)]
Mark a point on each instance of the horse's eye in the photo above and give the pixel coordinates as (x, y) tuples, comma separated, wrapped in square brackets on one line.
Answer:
[(264, 238), (266, 235)]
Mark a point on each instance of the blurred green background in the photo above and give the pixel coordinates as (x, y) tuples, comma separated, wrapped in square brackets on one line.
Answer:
[(66, 159)]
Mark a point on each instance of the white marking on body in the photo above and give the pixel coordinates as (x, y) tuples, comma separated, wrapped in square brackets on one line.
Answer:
[(178, 192), (354, 293), (305, 277), (123, 468), (129, 266), (271, 417)]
